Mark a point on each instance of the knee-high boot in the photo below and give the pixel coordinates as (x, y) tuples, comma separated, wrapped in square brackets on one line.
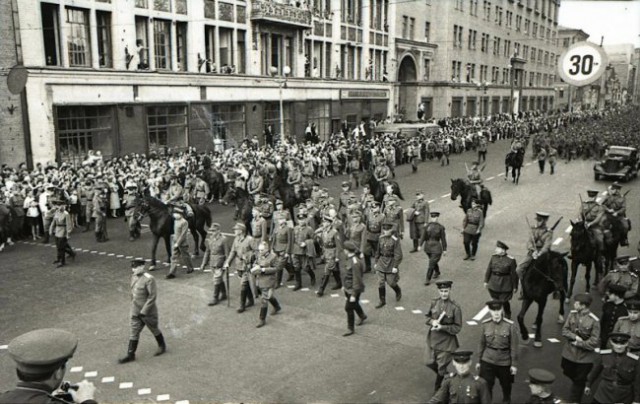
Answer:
[(216, 294), (131, 352), (162, 346), (336, 276), (243, 299), (382, 294), (398, 291), (276, 306), (323, 285), (312, 275), (223, 291), (263, 317), (298, 277)]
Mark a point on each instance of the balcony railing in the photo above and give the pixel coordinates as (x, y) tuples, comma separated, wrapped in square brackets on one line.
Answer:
[(280, 13)]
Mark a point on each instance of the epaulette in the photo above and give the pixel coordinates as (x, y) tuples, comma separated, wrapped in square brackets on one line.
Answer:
[(394, 238), (633, 258), (633, 356), (623, 318), (605, 351), (476, 377), (147, 275), (614, 271), (593, 316), (486, 320), (573, 311), (355, 259), (510, 256), (633, 274), (507, 320)]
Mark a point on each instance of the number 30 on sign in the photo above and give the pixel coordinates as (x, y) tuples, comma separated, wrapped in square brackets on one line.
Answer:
[(582, 64)]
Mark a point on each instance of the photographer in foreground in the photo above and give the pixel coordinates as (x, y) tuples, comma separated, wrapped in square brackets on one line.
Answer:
[(41, 358)]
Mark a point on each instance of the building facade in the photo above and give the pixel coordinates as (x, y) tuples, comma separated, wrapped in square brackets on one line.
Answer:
[(569, 96)]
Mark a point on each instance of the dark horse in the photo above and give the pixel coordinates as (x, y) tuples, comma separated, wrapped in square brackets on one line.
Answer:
[(540, 280), (613, 234), (161, 224), (286, 191), (215, 180), (377, 189), (513, 160), (244, 206), (466, 191), (585, 252)]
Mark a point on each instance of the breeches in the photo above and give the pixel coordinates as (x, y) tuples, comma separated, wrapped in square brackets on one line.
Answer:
[(138, 322), (218, 275), (299, 262), (265, 295), (389, 278)]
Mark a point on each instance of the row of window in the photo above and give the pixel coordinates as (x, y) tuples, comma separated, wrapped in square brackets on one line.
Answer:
[(408, 29), (499, 75)]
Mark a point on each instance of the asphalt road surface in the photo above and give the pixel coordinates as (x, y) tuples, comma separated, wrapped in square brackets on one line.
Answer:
[(217, 355)]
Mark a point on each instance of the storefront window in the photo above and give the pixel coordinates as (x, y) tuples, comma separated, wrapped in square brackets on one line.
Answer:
[(319, 112), (167, 126), (272, 118), (82, 128)]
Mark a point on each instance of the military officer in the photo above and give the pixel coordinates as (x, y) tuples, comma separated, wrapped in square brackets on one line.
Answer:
[(444, 319), (630, 324), (498, 350), (144, 311), (266, 211), (41, 357), (242, 248), (582, 333), (593, 214), (621, 275), (259, 229), (373, 222), (279, 213), (180, 249), (214, 259), (344, 200), (353, 286), (615, 204), (434, 239), (619, 370), (388, 258), (356, 232), (265, 270), (472, 226), (201, 189), (462, 387), (302, 250), (331, 243), (417, 219), (130, 200), (538, 243), (395, 214), (474, 175), (540, 381), (613, 308), (281, 243), (61, 228), (500, 278)]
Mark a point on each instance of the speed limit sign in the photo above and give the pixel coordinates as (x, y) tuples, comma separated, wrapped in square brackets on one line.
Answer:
[(582, 64)]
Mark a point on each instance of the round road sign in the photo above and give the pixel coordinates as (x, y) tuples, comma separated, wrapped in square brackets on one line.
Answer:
[(582, 64)]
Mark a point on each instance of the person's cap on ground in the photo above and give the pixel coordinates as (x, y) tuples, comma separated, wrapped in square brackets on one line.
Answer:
[(239, 226), (495, 304), (583, 298), (444, 284), (619, 337), (137, 262), (462, 356), (502, 245), (434, 214), (542, 215), (540, 376), (42, 351)]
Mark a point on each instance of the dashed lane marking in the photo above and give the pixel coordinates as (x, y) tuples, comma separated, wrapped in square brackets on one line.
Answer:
[(481, 314), (288, 286), (334, 295), (553, 340), (4, 346), (490, 178), (182, 402), (304, 289), (500, 175), (364, 301), (110, 255), (108, 379), (142, 392), (399, 308), (445, 196), (568, 230), (119, 256), (431, 201), (125, 385), (471, 322), (102, 253), (417, 311), (76, 369), (163, 397), (129, 257), (558, 241), (93, 373)]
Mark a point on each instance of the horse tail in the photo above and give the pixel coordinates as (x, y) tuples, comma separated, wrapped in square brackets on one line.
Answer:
[(400, 194), (207, 216)]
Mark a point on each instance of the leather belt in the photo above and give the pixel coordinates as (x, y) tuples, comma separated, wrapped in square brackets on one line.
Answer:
[(329, 246), (499, 349), (499, 274), (387, 255)]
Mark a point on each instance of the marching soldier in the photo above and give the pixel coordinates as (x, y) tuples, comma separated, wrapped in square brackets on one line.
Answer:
[(395, 214), (613, 308), (582, 333), (474, 175), (621, 275), (144, 311), (353, 286), (498, 350), (259, 229), (180, 249), (175, 190), (279, 213), (444, 319), (630, 324), (242, 248), (214, 259), (540, 381), (615, 204), (265, 272), (593, 213), (344, 200), (500, 278), (281, 243), (130, 200), (538, 243), (472, 226), (47, 210), (373, 223), (61, 227), (462, 387), (331, 244), (356, 232), (388, 259), (619, 370), (435, 245), (302, 250), (418, 219)]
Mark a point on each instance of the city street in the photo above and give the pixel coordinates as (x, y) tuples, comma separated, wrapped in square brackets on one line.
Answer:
[(217, 355)]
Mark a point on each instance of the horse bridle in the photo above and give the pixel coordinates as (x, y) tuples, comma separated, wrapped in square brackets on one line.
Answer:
[(547, 277)]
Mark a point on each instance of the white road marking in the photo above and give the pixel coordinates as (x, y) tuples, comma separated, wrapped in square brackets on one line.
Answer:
[(102, 253), (364, 301), (76, 369), (481, 313), (500, 175), (145, 225), (490, 178), (399, 308), (528, 164), (110, 255), (558, 241), (85, 250), (129, 257), (108, 379), (532, 335), (431, 201), (334, 295), (471, 322), (94, 252), (553, 340), (93, 373), (372, 393), (183, 402), (163, 397), (142, 392), (445, 196), (289, 286), (125, 385), (416, 311), (4, 346), (304, 289), (569, 229), (206, 270)]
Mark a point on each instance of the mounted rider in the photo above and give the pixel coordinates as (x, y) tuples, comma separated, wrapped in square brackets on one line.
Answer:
[(130, 201), (474, 176), (294, 177), (592, 214), (538, 243), (615, 204), (382, 172), (517, 146), (176, 197)]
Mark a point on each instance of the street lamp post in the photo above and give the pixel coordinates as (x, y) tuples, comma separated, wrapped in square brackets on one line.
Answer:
[(282, 83)]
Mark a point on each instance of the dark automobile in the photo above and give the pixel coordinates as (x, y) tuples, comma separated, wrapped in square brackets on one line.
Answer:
[(620, 162)]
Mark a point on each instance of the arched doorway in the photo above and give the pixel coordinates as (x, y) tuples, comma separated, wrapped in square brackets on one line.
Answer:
[(407, 71), (407, 95)]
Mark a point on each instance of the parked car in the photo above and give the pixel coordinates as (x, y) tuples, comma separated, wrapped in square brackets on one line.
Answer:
[(620, 162)]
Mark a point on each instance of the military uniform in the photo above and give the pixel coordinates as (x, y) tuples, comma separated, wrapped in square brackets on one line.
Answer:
[(265, 272), (243, 249), (215, 256), (180, 248), (539, 241), (100, 215), (130, 200), (353, 287), (281, 242), (611, 312), (86, 200), (442, 342), (628, 326), (388, 259), (593, 212), (542, 378), (434, 238), (498, 352), (356, 233), (331, 244), (303, 251), (61, 227), (619, 377), (501, 279), (373, 223), (462, 389), (259, 230), (343, 201), (616, 204), (394, 213), (201, 191), (622, 277), (578, 355), (472, 227), (417, 219)]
